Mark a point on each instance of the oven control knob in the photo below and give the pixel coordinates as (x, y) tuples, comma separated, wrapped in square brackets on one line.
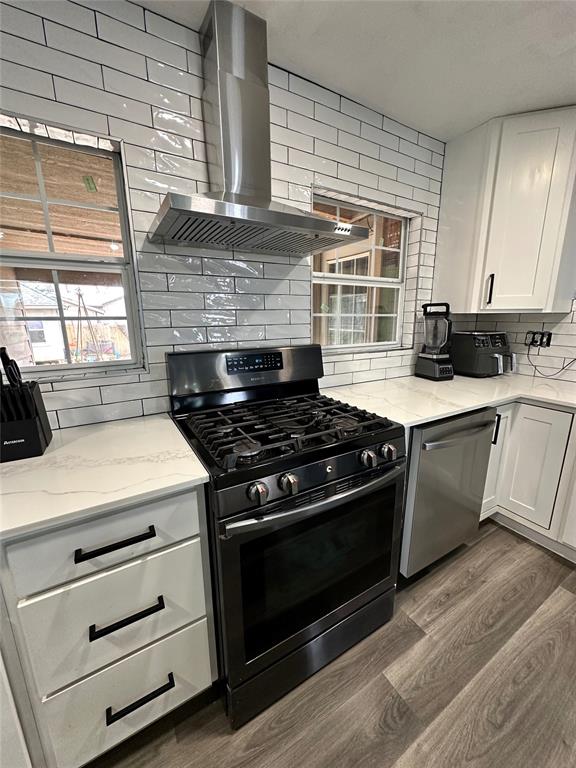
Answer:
[(388, 452), (288, 483), (258, 492), (369, 458)]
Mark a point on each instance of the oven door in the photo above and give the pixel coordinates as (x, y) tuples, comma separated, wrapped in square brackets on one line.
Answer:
[(298, 569)]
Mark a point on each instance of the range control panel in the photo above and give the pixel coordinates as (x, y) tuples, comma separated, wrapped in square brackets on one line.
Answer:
[(262, 361)]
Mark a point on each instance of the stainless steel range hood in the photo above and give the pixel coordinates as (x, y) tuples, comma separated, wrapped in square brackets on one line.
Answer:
[(237, 213)]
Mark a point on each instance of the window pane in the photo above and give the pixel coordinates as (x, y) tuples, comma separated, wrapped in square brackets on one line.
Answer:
[(82, 177), (385, 329), (386, 264), (29, 345), (22, 225), (93, 341), (388, 232), (326, 211), (384, 301), (92, 294), (26, 292), (85, 231), (17, 168)]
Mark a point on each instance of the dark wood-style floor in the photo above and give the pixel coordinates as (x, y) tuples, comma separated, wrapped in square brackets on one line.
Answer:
[(476, 670)]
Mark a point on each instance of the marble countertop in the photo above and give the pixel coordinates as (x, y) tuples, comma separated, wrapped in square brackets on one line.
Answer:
[(410, 400), (87, 470)]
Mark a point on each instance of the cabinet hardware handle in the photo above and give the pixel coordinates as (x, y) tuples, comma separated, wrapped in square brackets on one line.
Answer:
[(491, 277), (113, 717), (96, 634), (496, 429), (80, 557)]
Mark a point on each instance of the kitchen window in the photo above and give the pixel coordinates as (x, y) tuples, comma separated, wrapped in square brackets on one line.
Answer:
[(358, 289), (66, 280)]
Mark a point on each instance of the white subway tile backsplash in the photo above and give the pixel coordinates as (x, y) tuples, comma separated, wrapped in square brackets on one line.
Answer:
[(232, 268), (427, 141), (156, 318), (231, 334), (283, 172), (70, 14), (90, 48), (151, 138), (150, 93), (291, 101), (387, 170), (287, 271), (261, 285), (420, 153), (144, 201), (172, 300), (173, 32), (275, 301), (199, 317), (263, 317), (71, 398), (287, 331), (51, 111), (299, 122), (382, 138), (69, 92), (48, 60), (414, 179), (22, 24), (396, 158), (136, 40), (311, 162), (156, 405), (171, 77), (201, 284), (398, 129), (333, 152), (426, 169), (28, 80), (139, 157), (313, 92), (183, 167), (150, 281), (233, 301), (361, 113), (77, 417), (337, 119), (128, 12), (152, 181), (167, 262), (358, 176), (358, 144), (161, 336), (290, 138), (277, 76)]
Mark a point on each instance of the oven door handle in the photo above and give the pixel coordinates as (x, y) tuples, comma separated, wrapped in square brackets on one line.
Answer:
[(287, 518)]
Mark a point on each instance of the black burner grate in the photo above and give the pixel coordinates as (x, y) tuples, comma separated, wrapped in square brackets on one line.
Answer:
[(249, 434)]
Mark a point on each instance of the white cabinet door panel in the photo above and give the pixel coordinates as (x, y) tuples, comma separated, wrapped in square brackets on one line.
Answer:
[(533, 463), (529, 206), (569, 533), (496, 454), (13, 750)]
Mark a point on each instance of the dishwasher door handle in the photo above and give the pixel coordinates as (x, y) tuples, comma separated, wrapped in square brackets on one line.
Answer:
[(456, 437)]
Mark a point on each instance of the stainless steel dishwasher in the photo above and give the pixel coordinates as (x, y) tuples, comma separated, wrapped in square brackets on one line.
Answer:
[(446, 476)]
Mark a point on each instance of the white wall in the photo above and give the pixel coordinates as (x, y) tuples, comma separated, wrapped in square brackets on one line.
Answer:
[(115, 69)]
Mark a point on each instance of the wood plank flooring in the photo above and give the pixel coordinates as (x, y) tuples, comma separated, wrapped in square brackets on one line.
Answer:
[(477, 669)]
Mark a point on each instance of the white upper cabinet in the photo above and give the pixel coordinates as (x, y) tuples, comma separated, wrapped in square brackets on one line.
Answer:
[(507, 233)]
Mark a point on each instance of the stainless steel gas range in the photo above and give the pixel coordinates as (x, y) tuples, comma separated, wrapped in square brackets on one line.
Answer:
[(305, 510)]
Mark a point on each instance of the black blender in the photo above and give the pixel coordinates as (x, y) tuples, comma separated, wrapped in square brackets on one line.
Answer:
[(434, 360)]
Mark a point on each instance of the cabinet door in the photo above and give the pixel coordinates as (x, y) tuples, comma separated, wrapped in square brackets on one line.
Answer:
[(569, 533), (534, 455), (12, 745), (531, 196), (499, 440)]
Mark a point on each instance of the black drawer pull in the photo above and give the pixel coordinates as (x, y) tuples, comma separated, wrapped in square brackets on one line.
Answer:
[(114, 717), (95, 634), (496, 429), (80, 557)]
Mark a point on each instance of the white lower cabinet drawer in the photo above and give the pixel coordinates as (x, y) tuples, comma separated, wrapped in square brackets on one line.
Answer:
[(40, 562), (77, 629), (92, 716)]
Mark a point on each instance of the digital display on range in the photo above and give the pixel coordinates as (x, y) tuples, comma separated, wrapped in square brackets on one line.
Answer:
[(262, 361)]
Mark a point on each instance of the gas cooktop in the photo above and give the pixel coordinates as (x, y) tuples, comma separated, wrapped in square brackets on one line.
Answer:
[(251, 434)]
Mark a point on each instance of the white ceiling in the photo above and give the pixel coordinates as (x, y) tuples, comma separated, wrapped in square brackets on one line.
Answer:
[(441, 66)]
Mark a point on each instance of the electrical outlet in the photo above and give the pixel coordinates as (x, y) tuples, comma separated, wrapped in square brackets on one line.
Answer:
[(538, 338)]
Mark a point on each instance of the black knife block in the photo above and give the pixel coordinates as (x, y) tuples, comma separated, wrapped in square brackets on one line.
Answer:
[(25, 438)]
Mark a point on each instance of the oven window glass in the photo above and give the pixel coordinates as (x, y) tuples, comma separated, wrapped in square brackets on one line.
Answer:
[(295, 576)]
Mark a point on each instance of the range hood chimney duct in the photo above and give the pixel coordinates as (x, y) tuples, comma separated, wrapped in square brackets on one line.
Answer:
[(238, 213)]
